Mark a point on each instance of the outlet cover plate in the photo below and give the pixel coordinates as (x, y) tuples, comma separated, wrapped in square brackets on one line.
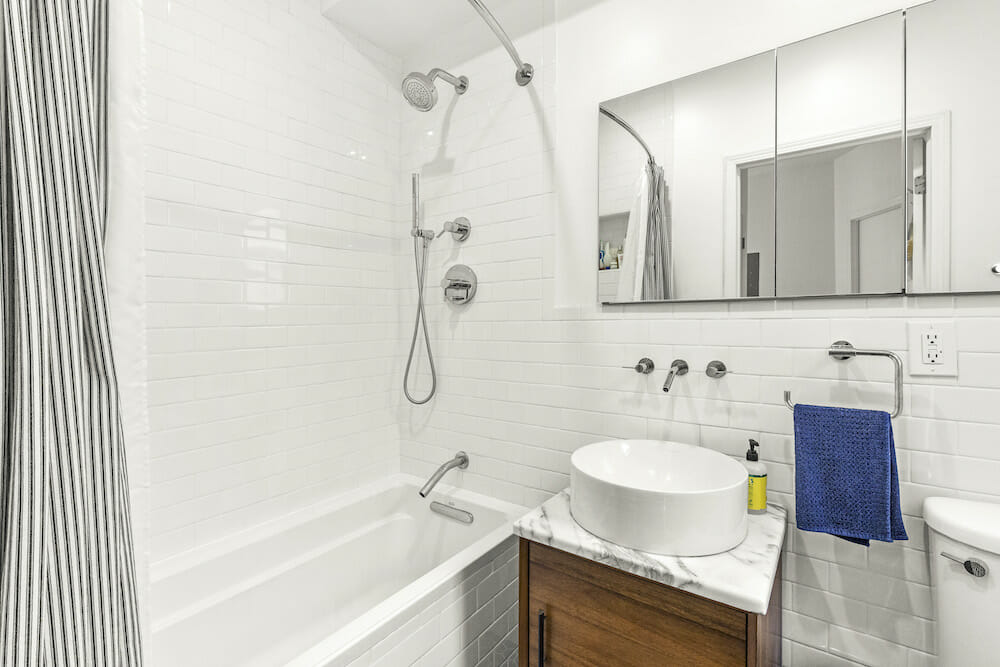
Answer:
[(933, 348)]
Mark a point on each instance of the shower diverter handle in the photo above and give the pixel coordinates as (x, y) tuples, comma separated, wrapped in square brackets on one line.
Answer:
[(459, 284), (456, 290)]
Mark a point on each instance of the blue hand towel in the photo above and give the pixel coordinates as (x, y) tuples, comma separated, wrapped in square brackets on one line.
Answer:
[(846, 482)]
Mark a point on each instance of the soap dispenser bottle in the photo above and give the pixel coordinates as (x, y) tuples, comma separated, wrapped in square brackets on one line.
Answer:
[(757, 496)]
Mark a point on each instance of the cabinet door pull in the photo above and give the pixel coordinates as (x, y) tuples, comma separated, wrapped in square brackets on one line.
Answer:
[(541, 637)]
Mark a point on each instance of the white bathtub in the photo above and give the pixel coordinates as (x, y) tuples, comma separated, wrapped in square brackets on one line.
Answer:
[(370, 578)]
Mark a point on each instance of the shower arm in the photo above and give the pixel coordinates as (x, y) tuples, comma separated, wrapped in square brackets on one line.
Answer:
[(524, 70), (460, 85), (628, 128)]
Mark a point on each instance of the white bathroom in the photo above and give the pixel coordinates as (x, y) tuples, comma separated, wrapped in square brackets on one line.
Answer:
[(483, 333)]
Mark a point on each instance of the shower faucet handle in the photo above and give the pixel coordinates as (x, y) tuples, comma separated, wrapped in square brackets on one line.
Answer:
[(460, 229), (456, 290), (459, 284)]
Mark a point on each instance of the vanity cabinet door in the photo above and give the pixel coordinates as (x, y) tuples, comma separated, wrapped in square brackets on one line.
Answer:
[(596, 616)]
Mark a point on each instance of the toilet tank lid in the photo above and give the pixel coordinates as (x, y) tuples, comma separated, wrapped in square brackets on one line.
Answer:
[(969, 521)]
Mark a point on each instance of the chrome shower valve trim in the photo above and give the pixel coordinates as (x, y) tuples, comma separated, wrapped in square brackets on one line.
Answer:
[(460, 229)]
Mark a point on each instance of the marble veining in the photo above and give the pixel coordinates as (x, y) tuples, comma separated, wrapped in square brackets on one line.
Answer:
[(741, 577)]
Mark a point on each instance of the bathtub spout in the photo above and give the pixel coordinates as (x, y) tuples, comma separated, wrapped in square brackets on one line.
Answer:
[(461, 461)]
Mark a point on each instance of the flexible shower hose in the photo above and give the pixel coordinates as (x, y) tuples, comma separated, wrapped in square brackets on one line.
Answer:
[(420, 263)]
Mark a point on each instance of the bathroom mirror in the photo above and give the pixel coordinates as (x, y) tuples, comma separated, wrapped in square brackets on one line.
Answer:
[(698, 130), (952, 61), (793, 174), (839, 214)]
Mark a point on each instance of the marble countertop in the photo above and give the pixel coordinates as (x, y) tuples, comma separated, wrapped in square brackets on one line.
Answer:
[(741, 577)]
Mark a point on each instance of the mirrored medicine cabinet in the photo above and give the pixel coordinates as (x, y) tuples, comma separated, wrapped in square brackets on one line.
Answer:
[(857, 162)]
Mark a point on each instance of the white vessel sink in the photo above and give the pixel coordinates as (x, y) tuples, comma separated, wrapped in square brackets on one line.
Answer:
[(662, 497)]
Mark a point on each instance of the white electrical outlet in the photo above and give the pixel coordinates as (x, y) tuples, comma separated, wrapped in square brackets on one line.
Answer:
[(932, 348)]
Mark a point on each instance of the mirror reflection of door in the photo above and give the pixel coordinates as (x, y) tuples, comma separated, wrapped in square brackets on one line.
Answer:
[(837, 226), (876, 260), (757, 228)]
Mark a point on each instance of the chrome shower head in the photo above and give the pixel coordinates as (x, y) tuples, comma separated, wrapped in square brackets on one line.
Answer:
[(419, 89)]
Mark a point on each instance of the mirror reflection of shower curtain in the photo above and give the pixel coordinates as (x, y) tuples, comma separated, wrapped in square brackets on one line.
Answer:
[(656, 278), (646, 266)]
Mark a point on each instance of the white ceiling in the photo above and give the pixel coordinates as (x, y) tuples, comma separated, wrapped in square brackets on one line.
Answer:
[(401, 27), (407, 28)]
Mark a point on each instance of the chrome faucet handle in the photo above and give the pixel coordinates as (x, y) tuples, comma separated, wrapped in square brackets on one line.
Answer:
[(459, 284), (677, 367), (460, 229), (644, 366), (716, 369)]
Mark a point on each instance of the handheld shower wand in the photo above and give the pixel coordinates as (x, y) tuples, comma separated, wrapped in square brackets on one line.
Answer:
[(421, 241)]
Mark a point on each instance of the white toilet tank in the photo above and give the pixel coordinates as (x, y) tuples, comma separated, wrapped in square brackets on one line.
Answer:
[(968, 606)]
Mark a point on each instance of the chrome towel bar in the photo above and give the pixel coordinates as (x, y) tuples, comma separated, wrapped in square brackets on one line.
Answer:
[(842, 351)]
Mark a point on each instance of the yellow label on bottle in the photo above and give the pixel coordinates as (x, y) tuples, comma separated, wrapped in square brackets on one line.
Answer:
[(757, 498)]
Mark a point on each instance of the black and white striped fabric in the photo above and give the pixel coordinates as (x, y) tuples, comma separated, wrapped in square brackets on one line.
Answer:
[(67, 573)]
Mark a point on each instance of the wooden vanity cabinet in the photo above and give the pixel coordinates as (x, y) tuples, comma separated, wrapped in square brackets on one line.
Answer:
[(597, 616)]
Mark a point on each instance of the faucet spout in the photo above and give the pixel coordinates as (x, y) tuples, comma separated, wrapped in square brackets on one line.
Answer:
[(461, 461), (678, 367)]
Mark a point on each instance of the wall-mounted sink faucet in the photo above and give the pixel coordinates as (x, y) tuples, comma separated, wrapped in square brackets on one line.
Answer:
[(678, 367), (461, 461)]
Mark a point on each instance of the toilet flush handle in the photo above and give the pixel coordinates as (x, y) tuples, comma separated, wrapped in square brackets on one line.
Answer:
[(973, 566)]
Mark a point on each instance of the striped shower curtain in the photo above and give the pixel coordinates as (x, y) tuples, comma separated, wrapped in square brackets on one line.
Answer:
[(67, 574)]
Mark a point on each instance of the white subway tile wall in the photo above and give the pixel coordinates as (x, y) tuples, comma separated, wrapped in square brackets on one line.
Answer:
[(524, 382), (272, 145), (471, 622)]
